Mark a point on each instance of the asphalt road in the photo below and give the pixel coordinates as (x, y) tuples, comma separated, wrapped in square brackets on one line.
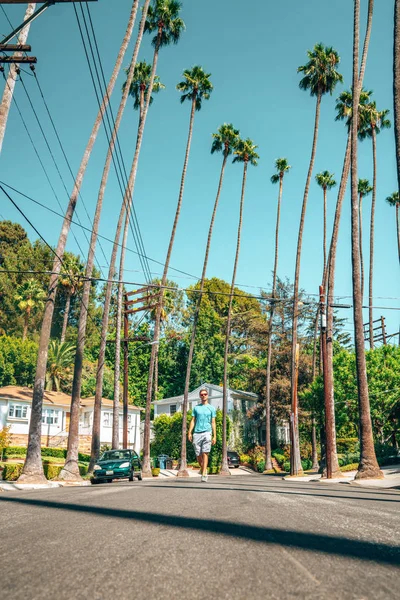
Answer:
[(235, 538)]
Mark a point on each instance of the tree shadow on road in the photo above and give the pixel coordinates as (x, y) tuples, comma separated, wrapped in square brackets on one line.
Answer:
[(314, 542)]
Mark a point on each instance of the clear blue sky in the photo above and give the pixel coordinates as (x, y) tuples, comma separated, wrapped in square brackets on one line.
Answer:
[(253, 50)]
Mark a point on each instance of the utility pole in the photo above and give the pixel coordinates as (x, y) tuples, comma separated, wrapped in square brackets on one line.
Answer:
[(13, 73), (128, 311), (328, 416)]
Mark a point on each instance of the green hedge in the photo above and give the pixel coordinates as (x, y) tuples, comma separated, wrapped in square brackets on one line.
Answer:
[(51, 471), (347, 445), (55, 452), (11, 472)]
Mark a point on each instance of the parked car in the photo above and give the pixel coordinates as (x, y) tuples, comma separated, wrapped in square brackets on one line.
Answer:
[(117, 464), (233, 459)]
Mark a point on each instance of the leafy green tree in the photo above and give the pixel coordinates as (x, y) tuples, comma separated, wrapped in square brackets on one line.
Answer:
[(17, 361), (29, 298), (320, 77), (394, 200)]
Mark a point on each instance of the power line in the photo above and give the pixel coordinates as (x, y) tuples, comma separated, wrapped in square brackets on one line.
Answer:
[(135, 219), (83, 227), (108, 108)]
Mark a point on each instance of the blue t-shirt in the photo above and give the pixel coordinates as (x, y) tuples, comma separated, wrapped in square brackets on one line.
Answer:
[(203, 414)]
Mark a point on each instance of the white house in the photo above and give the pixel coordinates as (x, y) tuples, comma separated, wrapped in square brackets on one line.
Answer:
[(239, 403), (15, 411), (237, 400)]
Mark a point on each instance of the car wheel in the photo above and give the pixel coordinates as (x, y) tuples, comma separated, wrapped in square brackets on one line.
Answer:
[(236, 466), (131, 476), (108, 480), (94, 481)]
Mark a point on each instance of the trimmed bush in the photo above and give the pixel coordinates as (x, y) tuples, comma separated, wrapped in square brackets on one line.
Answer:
[(346, 445), (85, 458), (261, 466), (350, 467), (280, 458), (55, 452), (245, 459), (15, 451), (83, 469), (11, 472), (51, 471), (286, 466), (306, 464), (155, 472)]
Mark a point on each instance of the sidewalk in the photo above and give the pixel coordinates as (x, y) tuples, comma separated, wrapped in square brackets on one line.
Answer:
[(391, 478), (195, 472)]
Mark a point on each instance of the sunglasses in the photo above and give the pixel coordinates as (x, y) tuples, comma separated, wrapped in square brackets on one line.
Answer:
[(203, 395)]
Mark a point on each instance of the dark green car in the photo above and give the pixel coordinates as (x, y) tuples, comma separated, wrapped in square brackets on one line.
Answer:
[(117, 464)]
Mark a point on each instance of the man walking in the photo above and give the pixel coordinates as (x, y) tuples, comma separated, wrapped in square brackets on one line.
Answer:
[(204, 435)]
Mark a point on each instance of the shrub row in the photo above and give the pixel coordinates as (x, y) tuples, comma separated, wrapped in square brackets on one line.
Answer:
[(55, 452), (12, 471)]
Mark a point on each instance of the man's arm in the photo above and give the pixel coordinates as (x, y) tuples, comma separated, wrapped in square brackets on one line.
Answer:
[(191, 427), (214, 431)]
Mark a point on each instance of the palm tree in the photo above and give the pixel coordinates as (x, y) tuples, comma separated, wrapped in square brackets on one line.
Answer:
[(364, 189), (320, 77), (224, 141), (282, 167), (372, 123), (162, 17), (60, 360), (394, 200), (195, 87), (140, 85), (368, 467), (8, 93), (33, 468), (344, 107), (71, 280), (396, 84), (326, 181), (245, 153), (29, 298)]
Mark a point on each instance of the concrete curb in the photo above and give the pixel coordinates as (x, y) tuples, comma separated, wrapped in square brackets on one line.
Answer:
[(9, 486)]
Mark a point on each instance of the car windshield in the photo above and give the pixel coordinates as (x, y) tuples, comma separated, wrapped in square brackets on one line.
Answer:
[(233, 454), (116, 455)]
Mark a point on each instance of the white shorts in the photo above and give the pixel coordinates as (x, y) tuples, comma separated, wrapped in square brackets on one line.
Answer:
[(202, 442)]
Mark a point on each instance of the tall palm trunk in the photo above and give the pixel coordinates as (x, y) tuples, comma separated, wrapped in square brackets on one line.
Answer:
[(66, 315), (26, 323), (71, 469), (361, 245), (371, 246), (330, 402), (12, 77), (146, 437), (368, 467), (324, 242), (224, 467), (396, 87), (268, 449), (296, 468), (183, 463), (96, 428), (33, 468)]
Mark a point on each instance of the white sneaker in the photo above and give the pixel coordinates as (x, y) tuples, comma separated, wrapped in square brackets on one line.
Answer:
[(204, 478)]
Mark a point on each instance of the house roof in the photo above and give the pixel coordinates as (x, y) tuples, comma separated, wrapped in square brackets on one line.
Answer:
[(216, 388), (16, 392)]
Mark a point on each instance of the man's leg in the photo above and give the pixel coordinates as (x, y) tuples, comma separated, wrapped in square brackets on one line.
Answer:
[(204, 463), (199, 459)]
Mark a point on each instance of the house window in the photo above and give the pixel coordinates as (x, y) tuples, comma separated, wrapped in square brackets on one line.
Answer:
[(107, 419), (172, 409), (50, 416), (86, 419), (121, 421), (17, 411)]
